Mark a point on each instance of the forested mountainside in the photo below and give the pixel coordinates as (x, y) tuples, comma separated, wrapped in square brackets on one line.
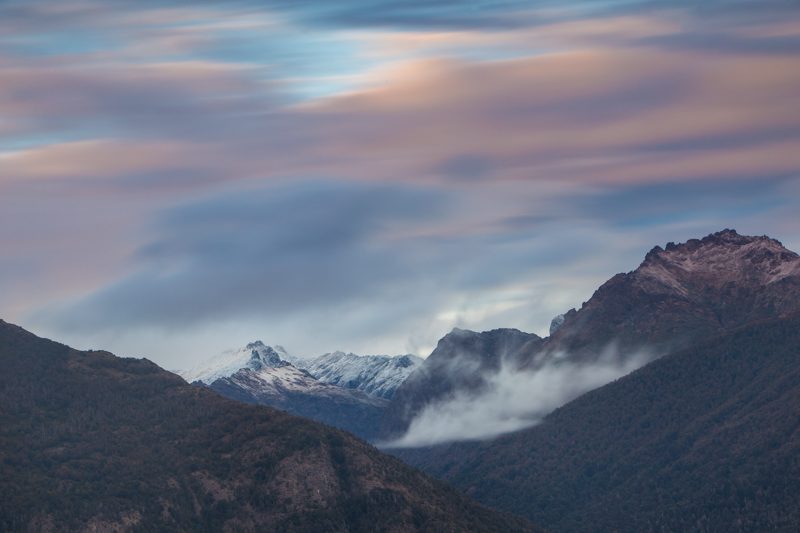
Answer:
[(705, 439), (93, 442)]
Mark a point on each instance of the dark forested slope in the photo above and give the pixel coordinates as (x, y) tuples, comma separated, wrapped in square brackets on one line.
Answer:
[(90, 441), (705, 439)]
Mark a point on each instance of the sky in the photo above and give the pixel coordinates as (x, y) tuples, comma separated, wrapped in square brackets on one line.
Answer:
[(181, 178)]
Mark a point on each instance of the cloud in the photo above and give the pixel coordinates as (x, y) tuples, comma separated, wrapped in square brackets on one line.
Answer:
[(263, 251), (514, 399), (179, 98), (584, 116), (459, 175), (588, 113)]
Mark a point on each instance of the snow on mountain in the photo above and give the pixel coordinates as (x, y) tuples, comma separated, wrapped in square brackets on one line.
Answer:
[(276, 382), (276, 370), (258, 368), (262, 374), (378, 375), (254, 356)]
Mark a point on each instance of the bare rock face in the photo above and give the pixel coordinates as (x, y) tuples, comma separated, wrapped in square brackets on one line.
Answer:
[(686, 291)]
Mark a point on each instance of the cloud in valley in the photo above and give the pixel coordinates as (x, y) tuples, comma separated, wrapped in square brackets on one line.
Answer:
[(514, 399)]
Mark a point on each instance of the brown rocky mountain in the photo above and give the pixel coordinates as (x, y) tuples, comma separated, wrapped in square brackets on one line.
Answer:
[(93, 442), (703, 439), (684, 292), (678, 295)]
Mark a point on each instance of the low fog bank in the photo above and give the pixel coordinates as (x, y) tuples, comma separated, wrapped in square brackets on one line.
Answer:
[(515, 399)]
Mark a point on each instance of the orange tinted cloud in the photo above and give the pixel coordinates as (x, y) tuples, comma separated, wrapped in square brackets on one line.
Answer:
[(533, 113), (597, 116)]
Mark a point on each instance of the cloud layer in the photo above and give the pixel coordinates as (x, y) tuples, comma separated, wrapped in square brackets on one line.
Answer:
[(513, 400), (375, 172)]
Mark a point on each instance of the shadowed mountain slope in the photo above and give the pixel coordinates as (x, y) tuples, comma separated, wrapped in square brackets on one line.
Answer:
[(93, 442), (462, 360), (705, 439), (678, 295)]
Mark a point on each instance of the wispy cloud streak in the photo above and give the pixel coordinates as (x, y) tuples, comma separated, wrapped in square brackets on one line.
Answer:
[(494, 159)]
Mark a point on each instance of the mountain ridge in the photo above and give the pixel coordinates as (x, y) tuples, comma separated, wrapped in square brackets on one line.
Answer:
[(378, 375), (705, 438), (90, 441), (348, 391), (669, 301)]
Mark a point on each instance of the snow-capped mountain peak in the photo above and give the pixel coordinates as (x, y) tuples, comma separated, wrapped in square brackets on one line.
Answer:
[(261, 374), (255, 356), (378, 375)]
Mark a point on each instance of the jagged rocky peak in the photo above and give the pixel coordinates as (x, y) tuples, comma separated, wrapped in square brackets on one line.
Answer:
[(459, 335), (556, 323), (264, 356), (717, 259), (458, 332), (405, 361), (255, 356), (464, 342)]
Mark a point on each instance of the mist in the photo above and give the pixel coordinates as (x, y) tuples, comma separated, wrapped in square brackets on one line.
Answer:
[(515, 399)]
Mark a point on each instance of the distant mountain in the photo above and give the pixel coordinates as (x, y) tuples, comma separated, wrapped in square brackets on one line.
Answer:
[(462, 360), (258, 374), (703, 439), (255, 355), (678, 295), (377, 375), (93, 442), (296, 391)]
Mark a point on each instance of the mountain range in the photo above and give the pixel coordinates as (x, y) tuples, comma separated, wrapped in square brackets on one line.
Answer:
[(704, 438), (678, 295), (94, 442), (377, 375), (347, 391), (667, 402)]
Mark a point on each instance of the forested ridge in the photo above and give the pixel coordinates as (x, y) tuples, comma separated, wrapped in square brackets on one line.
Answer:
[(706, 439), (90, 441)]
